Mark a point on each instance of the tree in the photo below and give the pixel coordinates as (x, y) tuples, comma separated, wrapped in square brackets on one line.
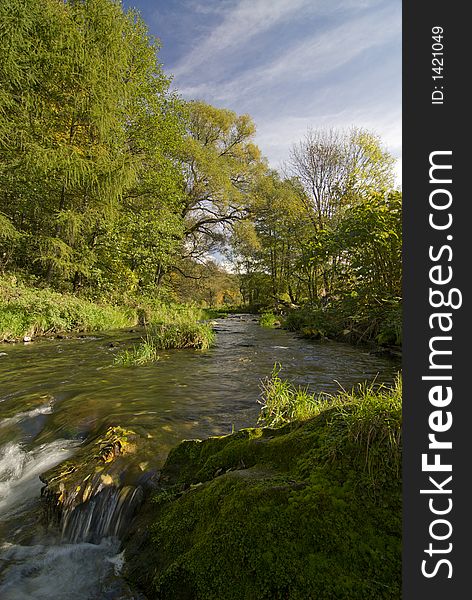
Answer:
[(368, 237), (337, 168), (87, 136), (220, 164)]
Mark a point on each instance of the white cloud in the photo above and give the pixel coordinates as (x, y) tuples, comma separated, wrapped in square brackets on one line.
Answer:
[(311, 80), (244, 21), (305, 61), (276, 138)]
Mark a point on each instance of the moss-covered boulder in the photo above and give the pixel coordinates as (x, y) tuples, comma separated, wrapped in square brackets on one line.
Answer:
[(308, 511), (97, 466)]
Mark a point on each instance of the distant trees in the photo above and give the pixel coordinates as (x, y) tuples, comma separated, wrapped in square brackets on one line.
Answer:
[(330, 229)]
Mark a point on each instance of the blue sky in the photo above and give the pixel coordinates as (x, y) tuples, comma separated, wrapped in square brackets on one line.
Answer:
[(290, 64)]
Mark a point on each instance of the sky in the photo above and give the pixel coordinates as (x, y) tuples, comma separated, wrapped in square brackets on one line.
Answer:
[(293, 65)]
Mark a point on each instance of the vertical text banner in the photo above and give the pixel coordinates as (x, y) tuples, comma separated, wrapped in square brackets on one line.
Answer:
[(437, 254)]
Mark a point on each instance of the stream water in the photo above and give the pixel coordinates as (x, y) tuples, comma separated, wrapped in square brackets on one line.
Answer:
[(54, 393)]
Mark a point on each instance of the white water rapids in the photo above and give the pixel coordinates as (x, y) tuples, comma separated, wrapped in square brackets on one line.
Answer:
[(38, 567)]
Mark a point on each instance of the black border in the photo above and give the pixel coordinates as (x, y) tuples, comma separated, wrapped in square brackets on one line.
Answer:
[(427, 128)]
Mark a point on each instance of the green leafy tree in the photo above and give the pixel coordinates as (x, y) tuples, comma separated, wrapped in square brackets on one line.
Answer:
[(86, 139), (338, 170), (281, 227), (220, 163), (368, 239)]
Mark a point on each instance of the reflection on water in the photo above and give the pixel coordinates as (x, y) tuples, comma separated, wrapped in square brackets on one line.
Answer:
[(71, 388), (55, 392)]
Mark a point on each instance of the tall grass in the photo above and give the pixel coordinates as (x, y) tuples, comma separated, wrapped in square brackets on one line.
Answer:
[(155, 312), (182, 335), (144, 353), (283, 402), (27, 311), (372, 417), (169, 327), (364, 423)]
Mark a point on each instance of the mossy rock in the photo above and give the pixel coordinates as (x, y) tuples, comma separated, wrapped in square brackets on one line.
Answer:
[(97, 465), (287, 513)]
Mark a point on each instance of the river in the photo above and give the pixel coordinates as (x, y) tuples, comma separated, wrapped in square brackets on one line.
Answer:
[(55, 393)]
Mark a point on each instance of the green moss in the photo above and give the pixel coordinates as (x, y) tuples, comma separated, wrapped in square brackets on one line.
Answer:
[(289, 513)]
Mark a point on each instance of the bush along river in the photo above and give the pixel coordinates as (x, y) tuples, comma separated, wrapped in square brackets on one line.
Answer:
[(83, 444)]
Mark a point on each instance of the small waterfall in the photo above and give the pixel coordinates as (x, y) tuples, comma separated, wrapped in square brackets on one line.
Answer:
[(107, 514), (80, 561)]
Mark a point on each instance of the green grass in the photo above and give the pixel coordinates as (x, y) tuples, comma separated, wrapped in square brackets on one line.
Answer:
[(367, 416), (31, 311), (144, 353), (283, 402), (169, 327), (268, 320), (28, 311), (168, 336)]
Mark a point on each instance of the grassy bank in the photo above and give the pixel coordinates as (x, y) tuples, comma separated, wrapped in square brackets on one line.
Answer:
[(311, 509), (32, 311), (350, 320), (168, 327), (29, 311)]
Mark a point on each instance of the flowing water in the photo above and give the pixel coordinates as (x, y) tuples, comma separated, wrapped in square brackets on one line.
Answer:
[(55, 393)]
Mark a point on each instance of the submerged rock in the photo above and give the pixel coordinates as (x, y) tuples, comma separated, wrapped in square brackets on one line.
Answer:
[(308, 510), (87, 495)]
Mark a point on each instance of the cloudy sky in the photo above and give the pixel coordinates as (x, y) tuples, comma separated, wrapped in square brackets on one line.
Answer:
[(290, 64)]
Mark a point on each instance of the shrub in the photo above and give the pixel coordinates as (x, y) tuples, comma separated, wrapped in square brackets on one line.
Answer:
[(268, 320)]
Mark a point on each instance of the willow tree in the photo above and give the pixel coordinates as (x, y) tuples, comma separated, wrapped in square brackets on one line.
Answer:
[(78, 79), (220, 163)]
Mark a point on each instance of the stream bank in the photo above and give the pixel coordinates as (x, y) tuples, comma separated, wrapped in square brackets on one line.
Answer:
[(309, 510), (57, 396)]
